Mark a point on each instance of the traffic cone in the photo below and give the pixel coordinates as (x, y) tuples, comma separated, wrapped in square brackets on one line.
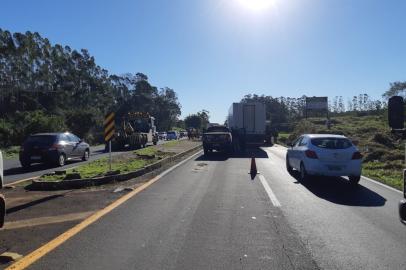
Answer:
[(253, 170)]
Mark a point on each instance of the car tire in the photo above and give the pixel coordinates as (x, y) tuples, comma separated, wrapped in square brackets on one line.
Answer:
[(288, 167), (86, 155), (61, 160), (304, 176), (354, 180), (26, 164)]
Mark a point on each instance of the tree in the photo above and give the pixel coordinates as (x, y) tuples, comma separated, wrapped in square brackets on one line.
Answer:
[(396, 89)]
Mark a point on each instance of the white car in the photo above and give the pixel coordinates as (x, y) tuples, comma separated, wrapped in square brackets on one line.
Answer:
[(325, 155)]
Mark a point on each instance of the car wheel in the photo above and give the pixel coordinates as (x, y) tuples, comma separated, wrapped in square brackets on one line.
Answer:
[(354, 180), (288, 167), (86, 155), (25, 164), (61, 160), (303, 174)]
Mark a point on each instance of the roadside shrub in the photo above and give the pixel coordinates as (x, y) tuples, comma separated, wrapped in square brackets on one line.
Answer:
[(383, 139), (374, 155)]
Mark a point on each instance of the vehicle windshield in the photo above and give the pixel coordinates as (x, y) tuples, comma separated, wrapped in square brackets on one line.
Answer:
[(171, 133), (218, 129), (332, 143)]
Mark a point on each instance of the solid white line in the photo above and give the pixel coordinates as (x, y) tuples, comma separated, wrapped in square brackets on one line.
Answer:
[(269, 191), (381, 184), (177, 165)]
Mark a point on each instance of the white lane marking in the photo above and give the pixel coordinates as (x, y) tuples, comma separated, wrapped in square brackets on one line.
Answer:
[(269, 191), (382, 185), (364, 177)]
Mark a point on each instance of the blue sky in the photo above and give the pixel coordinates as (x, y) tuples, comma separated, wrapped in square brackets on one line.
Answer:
[(213, 52)]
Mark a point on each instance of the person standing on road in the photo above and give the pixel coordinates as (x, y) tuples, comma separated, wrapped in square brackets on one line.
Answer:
[(242, 139), (235, 138)]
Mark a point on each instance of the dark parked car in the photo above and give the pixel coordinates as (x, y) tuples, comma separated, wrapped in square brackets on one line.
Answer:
[(53, 148)]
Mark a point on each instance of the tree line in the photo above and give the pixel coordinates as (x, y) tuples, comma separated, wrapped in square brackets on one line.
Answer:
[(282, 112), (45, 87)]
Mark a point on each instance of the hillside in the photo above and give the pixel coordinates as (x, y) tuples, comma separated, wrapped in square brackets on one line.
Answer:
[(383, 151)]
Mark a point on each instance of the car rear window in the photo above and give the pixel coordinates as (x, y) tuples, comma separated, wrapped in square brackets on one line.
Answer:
[(218, 129), (42, 139), (331, 143), (171, 133)]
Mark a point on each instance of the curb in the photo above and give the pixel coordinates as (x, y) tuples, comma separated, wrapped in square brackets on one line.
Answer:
[(97, 181)]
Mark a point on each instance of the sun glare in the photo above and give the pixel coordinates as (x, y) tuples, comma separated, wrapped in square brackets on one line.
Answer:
[(256, 5)]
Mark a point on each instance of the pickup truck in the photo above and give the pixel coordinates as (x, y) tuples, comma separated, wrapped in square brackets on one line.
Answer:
[(2, 200), (217, 138)]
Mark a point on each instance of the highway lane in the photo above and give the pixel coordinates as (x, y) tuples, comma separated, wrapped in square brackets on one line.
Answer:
[(14, 172), (206, 214), (209, 214), (345, 228)]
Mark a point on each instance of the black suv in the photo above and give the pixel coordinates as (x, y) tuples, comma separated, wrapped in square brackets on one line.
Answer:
[(53, 148)]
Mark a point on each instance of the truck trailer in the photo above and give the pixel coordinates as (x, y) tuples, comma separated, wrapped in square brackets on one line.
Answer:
[(249, 120)]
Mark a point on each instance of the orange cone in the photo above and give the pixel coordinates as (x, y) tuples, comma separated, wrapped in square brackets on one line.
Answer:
[(253, 170)]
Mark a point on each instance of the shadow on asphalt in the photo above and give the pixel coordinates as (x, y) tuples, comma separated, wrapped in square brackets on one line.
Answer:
[(251, 152), (338, 190), (32, 203)]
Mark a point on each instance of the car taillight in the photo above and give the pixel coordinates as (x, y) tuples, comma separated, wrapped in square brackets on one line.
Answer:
[(311, 154), (55, 146), (356, 155)]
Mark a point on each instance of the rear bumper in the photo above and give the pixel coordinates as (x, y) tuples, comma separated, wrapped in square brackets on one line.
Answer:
[(44, 156), (316, 167), (219, 146)]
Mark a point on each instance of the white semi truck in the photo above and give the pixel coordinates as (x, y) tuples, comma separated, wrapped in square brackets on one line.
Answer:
[(249, 118)]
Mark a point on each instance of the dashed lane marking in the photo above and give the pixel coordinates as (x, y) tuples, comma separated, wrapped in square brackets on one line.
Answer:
[(269, 191)]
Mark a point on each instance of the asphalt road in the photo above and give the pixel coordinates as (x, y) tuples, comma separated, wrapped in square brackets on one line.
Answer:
[(14, 172), (209, 214)]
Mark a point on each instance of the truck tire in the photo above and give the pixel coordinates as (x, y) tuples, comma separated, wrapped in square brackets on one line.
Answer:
[(2, 210)]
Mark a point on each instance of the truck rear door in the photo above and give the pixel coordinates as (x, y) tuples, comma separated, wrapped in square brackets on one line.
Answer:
[(249, 118)]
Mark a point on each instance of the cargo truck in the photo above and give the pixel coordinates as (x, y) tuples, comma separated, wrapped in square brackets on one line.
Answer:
[(249, 119)]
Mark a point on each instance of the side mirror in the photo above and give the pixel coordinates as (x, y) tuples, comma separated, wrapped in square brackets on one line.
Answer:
[(402, 211)]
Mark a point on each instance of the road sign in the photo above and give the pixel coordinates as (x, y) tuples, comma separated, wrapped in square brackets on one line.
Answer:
[(109, 126), (316, 103)]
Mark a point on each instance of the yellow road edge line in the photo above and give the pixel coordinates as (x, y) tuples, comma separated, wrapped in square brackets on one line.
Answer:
[(45, 249), (34, 177), (48, 247), (20, 181)]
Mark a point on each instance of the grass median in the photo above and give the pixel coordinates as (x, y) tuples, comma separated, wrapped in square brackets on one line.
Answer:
[(124, 163)]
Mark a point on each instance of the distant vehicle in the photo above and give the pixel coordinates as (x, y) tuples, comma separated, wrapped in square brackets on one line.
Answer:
[(53, 148), (182, 133), (162, 135), (249, 117), (217, 138), (172, 135), (135, 130), (326, 155), (2, 199)]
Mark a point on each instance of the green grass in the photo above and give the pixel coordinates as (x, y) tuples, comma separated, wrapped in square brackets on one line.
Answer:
[(171, 143), (123, 163), (10, 152), (383, 151)]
